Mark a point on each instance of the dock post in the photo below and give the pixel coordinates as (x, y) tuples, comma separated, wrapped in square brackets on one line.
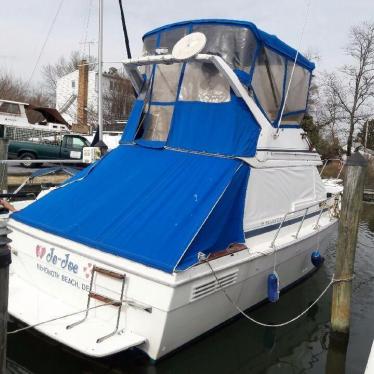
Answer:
[(5, 260), (3, 156), (347, 240)]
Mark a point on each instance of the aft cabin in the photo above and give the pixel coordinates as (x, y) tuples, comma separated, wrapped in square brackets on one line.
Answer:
[(192, 173)]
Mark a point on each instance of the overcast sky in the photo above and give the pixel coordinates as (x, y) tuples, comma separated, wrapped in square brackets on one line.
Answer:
[(25, 23)]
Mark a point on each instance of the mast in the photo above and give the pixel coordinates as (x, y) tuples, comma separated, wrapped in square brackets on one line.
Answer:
[(100, 71)]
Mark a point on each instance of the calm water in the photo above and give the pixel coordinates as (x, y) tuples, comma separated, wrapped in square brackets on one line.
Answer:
[(239, 346)]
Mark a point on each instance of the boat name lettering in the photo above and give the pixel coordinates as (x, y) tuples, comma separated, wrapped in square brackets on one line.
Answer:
[(270, 222), (64, 262)]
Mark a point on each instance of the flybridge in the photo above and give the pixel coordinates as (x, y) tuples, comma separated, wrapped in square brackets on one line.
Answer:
[(238, 80)]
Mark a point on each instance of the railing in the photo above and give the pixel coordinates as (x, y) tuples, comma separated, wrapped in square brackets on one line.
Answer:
[(342, 163), (36, 161), (323, 205)]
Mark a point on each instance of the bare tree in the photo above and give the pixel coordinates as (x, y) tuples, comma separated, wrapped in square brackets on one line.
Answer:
[(353, 86), (12, 88), (118, 99), (331, 115), (52, 72)]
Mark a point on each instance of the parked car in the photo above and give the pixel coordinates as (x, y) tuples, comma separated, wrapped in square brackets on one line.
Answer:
[(65, 147)]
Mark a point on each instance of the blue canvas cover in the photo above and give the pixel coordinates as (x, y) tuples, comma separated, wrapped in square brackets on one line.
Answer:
[(263, 37), (154, 206), (225, 128)]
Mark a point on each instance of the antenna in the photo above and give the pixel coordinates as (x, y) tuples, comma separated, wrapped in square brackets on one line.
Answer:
[(293, 67), (189, 46), (100, 70), (89, 43)]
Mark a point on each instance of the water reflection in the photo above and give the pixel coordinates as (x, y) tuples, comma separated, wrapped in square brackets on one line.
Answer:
[(337, 352), (241, 347)]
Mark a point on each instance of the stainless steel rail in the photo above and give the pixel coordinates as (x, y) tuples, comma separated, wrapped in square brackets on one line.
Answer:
[(69, 161), (342, 163), (323, 205)]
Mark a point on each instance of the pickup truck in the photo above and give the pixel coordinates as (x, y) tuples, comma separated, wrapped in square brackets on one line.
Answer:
[(69, 147)]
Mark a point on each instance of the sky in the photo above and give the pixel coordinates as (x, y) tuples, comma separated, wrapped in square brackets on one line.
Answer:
[(24, 26)]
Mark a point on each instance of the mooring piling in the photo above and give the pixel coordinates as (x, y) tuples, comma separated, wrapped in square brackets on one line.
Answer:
[(347, 240), (3, 156), (5, 260), (336, 354)]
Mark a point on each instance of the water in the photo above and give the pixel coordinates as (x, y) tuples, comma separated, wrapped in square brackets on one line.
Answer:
[(240, 346)]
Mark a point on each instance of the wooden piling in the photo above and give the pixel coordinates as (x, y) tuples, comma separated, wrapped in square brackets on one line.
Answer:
[(5, 257), (336, 354), (347, 240), (5, 260), (3, 167)]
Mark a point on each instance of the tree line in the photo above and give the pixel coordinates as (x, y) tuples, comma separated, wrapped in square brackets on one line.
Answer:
[(341, 107)]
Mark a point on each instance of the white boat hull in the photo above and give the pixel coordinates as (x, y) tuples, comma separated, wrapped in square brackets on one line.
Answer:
[(161, 311)]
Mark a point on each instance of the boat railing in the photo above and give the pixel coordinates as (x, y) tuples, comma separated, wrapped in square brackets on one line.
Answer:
[(323, 204), (325, 163)]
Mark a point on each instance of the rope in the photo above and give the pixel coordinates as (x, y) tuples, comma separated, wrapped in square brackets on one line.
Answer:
[(45, 41), (294, 64), (276, 324), (57, 318), (85, 35)]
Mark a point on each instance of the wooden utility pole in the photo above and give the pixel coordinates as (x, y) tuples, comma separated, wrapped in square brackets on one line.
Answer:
[(347, 240), (5, 260)]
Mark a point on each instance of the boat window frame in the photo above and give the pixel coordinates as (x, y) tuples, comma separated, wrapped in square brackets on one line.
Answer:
[(288, 64), (10, 105)]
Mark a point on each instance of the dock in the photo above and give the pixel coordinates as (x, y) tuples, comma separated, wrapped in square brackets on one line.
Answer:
[(35, 186)]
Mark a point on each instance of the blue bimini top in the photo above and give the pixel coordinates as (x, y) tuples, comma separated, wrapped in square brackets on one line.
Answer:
[(203, 25), (154, 206)]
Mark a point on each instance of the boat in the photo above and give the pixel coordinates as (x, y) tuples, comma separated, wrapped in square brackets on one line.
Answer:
[(212, 195), (27, 116)]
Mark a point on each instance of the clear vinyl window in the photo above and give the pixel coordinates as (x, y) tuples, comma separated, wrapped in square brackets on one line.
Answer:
[(170, 37), (149, 45), (203, 82), (236, 45), (165, 83), (267, 82), (10, 108), (155, 123), (297, 94)]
